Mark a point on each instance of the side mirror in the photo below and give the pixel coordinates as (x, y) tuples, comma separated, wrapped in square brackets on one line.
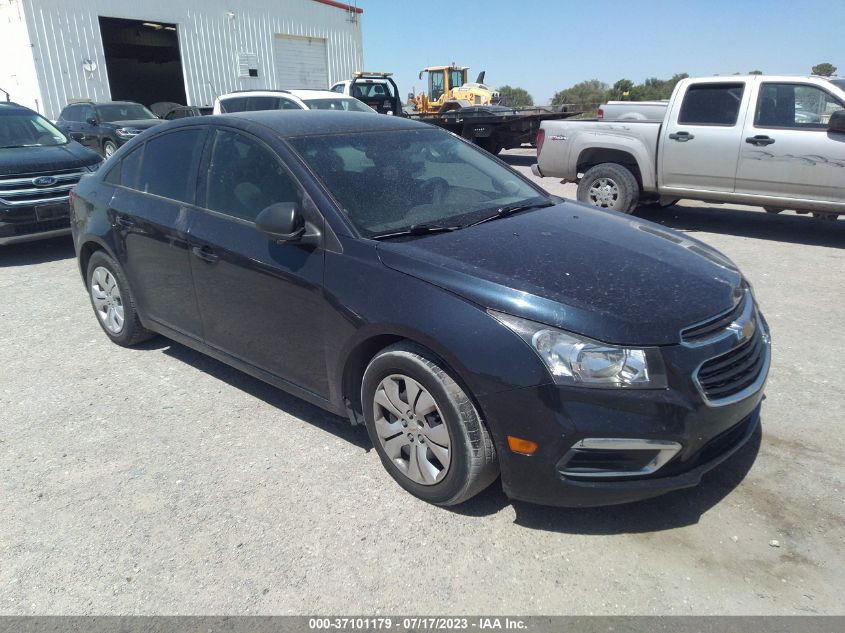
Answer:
[(837, 122), (283, 222), (91, 121)]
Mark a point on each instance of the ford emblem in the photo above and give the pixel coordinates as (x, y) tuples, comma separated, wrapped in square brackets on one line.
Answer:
[(44, 181)]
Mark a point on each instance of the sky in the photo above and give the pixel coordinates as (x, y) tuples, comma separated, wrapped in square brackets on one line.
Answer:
[(548, 45)]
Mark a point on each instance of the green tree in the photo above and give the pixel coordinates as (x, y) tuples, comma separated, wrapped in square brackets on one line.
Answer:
[(621, 90), (585, 93), (515, 97), (825, 69), (755, 72)]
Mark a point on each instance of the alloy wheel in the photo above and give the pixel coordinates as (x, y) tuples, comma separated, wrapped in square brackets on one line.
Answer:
[(108, 303), (411, 429), (604, 192)]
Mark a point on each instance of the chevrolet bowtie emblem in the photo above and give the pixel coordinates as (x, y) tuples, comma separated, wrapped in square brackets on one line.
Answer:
[(743, 331)]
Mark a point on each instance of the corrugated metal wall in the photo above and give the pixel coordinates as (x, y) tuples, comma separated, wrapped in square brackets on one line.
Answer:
[(65, 33)]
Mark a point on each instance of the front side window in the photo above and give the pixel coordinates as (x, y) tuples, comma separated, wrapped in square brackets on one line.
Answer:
[(435, 84), (28, 129), (169, 164), (87, 114), (340, 104), (389, 181), (245, 177), (123, 112), (711, 104), (798, 106), (456, 78)]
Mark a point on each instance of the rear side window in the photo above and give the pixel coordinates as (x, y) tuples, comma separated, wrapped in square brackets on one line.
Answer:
[(126, 171), (71, 113), (711, 104), (169, 165), (245, 177), (236, 104)]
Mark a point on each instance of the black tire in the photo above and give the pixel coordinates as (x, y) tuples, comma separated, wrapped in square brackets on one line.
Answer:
[(132, 332), (473, 463), (109, 148), (490, 144), (627, 191)]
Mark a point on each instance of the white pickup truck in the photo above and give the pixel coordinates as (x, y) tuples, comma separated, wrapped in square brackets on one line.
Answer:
[(770, 141)]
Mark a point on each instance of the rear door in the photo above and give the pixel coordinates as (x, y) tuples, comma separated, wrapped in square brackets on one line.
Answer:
[(787, 151), (699, 145), (151, 210), (261, 302)]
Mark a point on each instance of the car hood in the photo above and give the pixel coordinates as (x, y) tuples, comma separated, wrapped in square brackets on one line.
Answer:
[(29, 160), (140, 124), (602, 274)]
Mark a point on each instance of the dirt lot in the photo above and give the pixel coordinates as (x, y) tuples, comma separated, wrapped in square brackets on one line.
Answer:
[(157, 480)]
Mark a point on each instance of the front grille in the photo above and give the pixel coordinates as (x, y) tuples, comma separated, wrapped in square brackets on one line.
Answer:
[(729, 374), (713, 327), (20, 189)]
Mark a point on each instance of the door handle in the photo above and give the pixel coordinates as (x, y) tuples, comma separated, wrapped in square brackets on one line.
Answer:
[(205, 254), (681, 137), (760, 140), (124, 222)]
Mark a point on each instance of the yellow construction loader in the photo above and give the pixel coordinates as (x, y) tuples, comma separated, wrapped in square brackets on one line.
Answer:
[(449, 90)]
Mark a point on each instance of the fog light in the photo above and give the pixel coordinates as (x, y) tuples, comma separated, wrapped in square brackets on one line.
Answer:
[(521, 446)]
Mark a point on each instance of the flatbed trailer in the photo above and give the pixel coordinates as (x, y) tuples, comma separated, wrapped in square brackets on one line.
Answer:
[(494, 127)]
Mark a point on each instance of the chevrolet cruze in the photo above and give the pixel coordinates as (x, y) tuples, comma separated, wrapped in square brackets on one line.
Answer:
[(392, 273)]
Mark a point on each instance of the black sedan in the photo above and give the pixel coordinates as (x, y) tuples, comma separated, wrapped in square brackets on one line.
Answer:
[(393, 273)]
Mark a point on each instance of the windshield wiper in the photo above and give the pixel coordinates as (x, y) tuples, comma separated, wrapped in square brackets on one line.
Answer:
[(503, 212), (418, 229)]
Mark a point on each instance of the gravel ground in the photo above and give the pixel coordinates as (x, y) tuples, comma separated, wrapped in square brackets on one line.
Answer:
[(158, 481)]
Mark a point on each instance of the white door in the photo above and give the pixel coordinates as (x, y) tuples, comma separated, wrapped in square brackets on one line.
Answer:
[(301, 62), (699, 146), (787, 150)]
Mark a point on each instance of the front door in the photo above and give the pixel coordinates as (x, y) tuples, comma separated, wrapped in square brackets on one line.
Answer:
[(787, 151), (151, 210), (261, 302), (699, 145)]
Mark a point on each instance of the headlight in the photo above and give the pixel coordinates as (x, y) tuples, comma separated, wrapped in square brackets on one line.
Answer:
[(575, 360), (124, 132)]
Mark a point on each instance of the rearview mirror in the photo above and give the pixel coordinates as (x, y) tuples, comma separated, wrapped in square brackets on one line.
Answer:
[(837, 122), (284, 222), (91, 120)]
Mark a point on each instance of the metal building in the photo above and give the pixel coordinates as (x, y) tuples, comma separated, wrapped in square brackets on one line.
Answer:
[(186, 51)]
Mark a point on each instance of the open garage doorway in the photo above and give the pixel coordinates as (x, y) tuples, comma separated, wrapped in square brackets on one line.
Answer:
[(143, 61)]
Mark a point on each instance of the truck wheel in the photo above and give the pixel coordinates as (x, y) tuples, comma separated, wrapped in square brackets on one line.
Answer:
[(610, 186), (489, 144), (425, 428)]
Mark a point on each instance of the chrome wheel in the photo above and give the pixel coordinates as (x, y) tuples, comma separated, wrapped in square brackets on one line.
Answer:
[(107, 300), (411, 429), (604, 192), (109, 149)]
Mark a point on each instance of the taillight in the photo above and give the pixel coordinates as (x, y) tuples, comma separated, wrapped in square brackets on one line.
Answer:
[(601, 114), (541, 137)]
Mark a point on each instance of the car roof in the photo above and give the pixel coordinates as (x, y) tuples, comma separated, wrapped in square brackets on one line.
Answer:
[(294, 123), (9, 107), (299, 93)]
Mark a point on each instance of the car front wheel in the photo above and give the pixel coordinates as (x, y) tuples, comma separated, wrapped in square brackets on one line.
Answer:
[(109, 148), (426, 429)]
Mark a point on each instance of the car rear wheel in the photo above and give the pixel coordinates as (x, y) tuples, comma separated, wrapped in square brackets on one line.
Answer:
[(426, 430), (610, 186), (113, 302), (109, 148)]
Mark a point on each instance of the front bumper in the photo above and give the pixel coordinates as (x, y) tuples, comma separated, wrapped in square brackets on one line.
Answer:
[(562, 420), (25, 223)]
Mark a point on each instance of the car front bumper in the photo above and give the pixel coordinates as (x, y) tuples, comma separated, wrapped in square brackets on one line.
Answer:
[(25, 223), (562, 421)]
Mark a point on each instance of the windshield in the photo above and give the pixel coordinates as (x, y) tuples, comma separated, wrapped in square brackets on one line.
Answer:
[(22, 129), (350, 105), (124, 112), (387, 182)]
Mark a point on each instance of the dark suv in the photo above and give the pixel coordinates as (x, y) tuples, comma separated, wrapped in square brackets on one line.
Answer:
[(388, 270), (105, 126), (38, 167)]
